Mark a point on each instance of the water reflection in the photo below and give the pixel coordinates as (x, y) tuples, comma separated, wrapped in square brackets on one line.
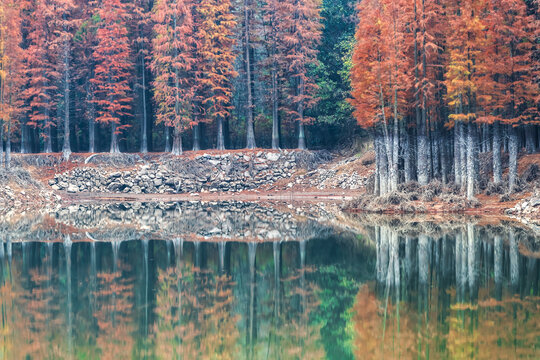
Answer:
[(467, 293), (396, 289)]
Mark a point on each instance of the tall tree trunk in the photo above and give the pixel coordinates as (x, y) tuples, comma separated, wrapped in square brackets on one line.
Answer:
[(250, 144), (513, 158), (377, 182), (497, 162), (24, 138), (275, 108), (177, 141), (470, 160), (1, 142), (406, 146), (196, 137), (457, 154), (144, 125), (423, 150), (66, 148), (48, 133), (394, 173), (463, 155), (167, 131), (529, 139), (383, 170), (115, 149), (444, 156), (91, 118), (8, 145), (417, 98), (435, 149), (220, 135), (301, 134)]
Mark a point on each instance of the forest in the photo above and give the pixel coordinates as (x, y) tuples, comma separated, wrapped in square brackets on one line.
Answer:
[(143, 75), (436, 84)]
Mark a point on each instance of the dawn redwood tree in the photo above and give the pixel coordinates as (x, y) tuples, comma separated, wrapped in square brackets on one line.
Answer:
[(215, 54), (11, 74), (427, 29), (301, 54), (247, 39), (172, 64), (274, 12), (466, 81), (512, 97), (142, 27), (64, 28), (113, 68), (84, 43), (380, 80), (40, 70)]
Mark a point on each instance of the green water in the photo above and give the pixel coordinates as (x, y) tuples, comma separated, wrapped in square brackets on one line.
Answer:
[(248, 281)]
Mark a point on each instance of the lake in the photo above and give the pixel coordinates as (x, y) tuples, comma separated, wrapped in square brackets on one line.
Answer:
[(235, 280)]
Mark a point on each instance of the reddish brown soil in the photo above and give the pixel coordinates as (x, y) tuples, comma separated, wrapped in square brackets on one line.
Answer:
[(490, 205)]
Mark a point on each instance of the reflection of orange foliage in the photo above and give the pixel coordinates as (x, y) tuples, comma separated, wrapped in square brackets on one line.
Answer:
[(496, 330), (296, 336), (488, 329), (377, 339), (32, 327), (194, 315), (114, 311)]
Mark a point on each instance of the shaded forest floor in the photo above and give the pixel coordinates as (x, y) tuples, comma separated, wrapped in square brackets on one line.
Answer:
[(343, 179)]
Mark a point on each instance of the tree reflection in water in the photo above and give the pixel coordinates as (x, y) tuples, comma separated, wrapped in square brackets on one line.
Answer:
[(487, 308), (421, 290)]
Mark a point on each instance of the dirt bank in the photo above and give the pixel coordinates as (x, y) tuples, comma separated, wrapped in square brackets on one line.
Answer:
[(258, 175)]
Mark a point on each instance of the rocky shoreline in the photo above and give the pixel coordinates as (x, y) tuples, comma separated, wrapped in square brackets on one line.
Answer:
[(229, 172), (46, 180)]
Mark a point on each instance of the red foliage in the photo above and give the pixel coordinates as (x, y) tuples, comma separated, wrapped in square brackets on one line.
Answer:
[(172, 61), (113, 64)]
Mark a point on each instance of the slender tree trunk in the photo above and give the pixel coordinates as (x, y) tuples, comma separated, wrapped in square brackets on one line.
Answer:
[(250, 131), (301, 134), (470, 160), (1, 142), (529, 139), (457, 155), (422, 152), (115, 149), (497, 162), (383, 171), (8, 146), (417, 100), (144, 125), (275, 108), (407, 166), (377, 184), (91, 118), (444, 156), (423, 161), (220, 136), (167, 131), (48, 133), (463, 156), (395, 155), (513, 159), (24, 138), (196, 137), (66, 148), (177, 142)]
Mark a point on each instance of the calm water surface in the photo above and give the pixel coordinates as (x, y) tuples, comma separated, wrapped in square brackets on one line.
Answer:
[(247, 281)]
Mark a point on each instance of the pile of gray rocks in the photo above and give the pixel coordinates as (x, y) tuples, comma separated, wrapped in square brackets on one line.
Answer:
[(230, 172), (529, 208)]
